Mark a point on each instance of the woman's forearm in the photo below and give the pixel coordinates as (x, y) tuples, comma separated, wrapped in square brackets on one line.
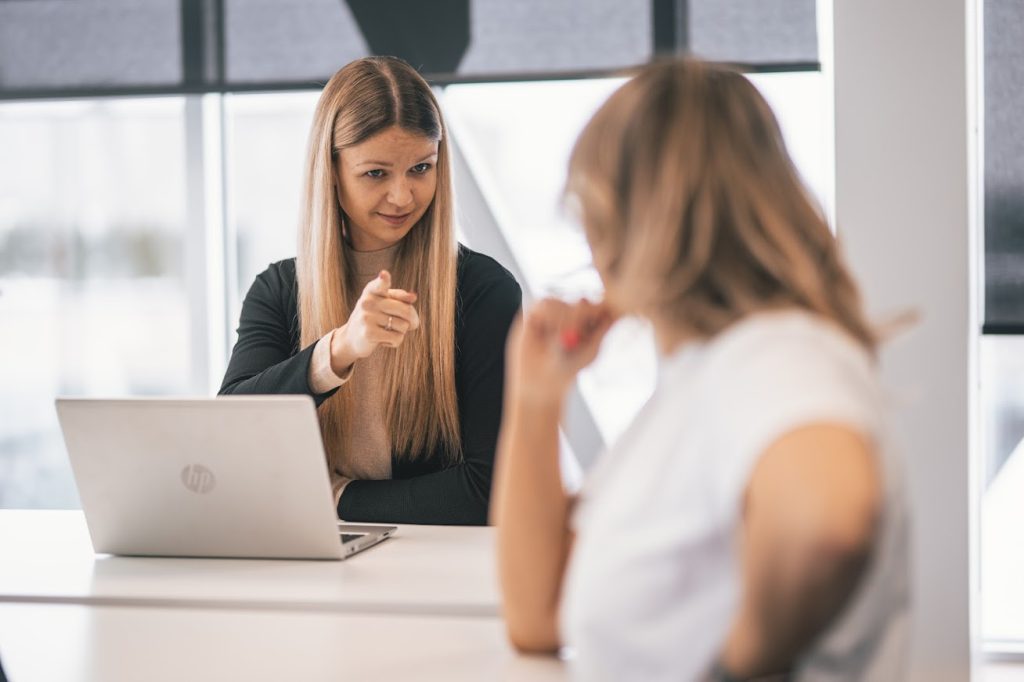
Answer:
[(530, 509), (457, 495), (268, 371), (546, 351)]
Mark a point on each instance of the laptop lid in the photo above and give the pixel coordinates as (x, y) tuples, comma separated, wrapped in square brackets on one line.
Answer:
[(234, 476)]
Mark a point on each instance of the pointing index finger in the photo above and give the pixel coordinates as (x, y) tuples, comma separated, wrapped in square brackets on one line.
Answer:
[(381, 284)]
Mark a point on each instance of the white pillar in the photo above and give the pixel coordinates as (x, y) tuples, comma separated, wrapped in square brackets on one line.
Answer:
[(904, 73), (207, 271)]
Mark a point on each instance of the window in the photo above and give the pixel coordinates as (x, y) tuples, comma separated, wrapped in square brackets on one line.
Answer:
[(110, 228), (94, 298), (516, 138), (1002, 554), (266, 141), (92, 293), (1002, 342)]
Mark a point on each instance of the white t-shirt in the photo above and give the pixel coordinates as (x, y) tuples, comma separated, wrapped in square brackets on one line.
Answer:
[(654, 579)]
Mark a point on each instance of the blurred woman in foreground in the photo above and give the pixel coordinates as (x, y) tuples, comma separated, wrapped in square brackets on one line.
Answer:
[(750, 521)]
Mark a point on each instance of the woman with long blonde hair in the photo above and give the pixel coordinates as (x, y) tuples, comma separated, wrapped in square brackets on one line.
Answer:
[(749, 523), (395, 329)]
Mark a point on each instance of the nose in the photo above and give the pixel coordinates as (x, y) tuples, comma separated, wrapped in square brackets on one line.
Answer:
[(399, 193)]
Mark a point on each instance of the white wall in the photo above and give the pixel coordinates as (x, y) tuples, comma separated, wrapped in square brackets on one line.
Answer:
[(903, 212)]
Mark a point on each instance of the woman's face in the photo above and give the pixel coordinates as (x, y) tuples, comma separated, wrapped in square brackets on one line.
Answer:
[(385, 185)]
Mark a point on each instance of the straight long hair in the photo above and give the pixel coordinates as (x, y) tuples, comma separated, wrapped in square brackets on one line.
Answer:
[(695, 211), (418, 392)]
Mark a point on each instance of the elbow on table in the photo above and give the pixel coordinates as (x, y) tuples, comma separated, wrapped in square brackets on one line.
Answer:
[(477, 516), (229, 387), (534, 636), (479, 510)]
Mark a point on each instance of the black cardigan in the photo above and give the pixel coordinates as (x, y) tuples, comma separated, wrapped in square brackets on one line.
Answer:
[(267, 359)]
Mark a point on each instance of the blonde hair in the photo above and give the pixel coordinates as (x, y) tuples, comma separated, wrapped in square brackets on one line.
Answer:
[(695, 212), (421, 408)]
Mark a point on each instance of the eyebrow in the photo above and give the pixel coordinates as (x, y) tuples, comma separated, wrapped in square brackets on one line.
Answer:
[(388, 165)]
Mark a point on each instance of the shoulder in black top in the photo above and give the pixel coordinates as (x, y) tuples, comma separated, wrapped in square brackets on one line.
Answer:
[(267, 360)]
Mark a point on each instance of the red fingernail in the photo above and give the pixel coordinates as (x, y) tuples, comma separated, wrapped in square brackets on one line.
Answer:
[(570, 339)]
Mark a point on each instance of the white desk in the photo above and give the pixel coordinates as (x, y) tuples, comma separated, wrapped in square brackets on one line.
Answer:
[(40, 643), (46, 557)]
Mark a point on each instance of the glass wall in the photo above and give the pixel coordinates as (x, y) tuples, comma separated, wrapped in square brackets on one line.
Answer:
[(1002, 343), (266, 147), (517, 137), (92, 295), (1002, 509)]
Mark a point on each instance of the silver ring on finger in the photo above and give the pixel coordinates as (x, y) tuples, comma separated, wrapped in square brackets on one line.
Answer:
[(391, 318)]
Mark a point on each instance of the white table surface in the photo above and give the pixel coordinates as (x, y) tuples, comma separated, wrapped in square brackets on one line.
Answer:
[(46, 642), (46, 557)]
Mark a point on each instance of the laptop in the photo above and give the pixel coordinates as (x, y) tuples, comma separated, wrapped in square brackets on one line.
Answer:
[(233, 476)]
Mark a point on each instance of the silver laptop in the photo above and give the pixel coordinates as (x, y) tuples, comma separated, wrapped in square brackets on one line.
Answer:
[(207, 477)]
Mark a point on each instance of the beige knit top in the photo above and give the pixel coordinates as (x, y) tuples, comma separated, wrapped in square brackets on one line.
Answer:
[(367, 448)]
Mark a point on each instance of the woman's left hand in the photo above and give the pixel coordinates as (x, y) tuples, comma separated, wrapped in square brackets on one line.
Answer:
[(550, 344)]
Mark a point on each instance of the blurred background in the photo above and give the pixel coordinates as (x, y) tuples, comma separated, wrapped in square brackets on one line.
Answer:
[(150, 167)]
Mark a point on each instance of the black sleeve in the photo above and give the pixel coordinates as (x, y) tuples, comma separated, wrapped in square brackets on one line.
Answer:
[(264, 360), (458, 495)]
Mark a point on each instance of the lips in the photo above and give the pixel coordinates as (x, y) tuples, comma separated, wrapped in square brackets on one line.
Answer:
[(395, 219)]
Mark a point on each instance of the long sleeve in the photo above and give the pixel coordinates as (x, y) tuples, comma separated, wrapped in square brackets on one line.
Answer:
[(322, 377), (266, 358), (459, 494)]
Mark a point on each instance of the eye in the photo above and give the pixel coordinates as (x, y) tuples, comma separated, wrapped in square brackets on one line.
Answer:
[(375, 173), (421, 168)]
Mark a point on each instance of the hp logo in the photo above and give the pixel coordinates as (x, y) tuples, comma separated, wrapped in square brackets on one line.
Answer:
[(198, 478)]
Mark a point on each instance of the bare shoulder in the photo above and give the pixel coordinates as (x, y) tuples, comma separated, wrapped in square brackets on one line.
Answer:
[(823, 477)]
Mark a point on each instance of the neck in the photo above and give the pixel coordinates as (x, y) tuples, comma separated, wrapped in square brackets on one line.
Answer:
[(669, 338), (369, 263)]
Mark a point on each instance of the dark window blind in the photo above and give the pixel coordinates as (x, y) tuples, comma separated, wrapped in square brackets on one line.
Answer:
[(71, 44), (754, 31), (56, 48), (1004, 166)]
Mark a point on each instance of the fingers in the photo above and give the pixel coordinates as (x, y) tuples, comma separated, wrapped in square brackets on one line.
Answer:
[(402, 295), (551, 344), (389, 307), (381, 287), (390, 323), (390, 339), (376, 331), (387, 322), (570, 325), (381, 317), (545, 319), (380, 303), (584, 324)]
